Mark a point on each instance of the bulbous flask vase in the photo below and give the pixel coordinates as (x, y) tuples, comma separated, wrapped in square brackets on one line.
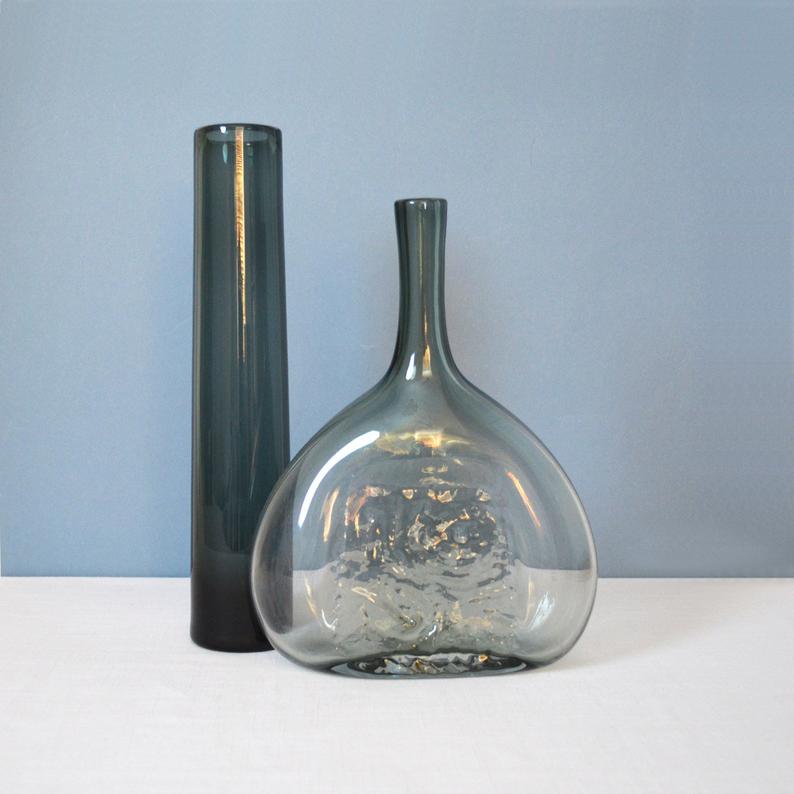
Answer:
[(425, 530)]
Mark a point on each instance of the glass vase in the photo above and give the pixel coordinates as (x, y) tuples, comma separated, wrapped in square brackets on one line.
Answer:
[(425, 530), (240, 422)]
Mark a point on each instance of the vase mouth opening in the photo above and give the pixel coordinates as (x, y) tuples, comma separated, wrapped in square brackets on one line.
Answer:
[(224, 133), (422, 203)]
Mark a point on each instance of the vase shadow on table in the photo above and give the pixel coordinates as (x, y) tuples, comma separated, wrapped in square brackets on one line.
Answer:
[(627, 624)]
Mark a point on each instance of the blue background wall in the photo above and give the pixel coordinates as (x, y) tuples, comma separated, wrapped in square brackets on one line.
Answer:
[(619, 257)]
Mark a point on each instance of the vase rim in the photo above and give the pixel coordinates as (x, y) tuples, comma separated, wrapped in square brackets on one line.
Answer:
[(230, 126), (420, 201)]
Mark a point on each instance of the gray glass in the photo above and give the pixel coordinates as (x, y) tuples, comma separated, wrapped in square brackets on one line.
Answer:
[(425, 530), (240, 423)]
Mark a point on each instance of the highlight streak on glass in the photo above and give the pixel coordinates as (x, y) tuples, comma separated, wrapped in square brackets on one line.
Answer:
[(410, 373), (530, 599), (357, 443), (239, 222), (328, 512), (309, 596), (524, 498), (427, 368), (364, 593)]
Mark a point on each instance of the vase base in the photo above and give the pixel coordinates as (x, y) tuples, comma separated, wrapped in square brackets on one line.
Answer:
[(442, 665)]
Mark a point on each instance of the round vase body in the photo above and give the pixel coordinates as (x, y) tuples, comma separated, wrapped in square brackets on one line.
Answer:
[(425, 530)]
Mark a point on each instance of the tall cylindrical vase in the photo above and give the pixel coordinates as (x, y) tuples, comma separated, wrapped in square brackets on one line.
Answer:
[(240, 419)]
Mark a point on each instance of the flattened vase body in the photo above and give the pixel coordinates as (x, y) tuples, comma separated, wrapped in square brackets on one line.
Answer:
[(425, 530)]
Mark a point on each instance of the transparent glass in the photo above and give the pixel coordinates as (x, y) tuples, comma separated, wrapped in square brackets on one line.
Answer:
[(425, 530)]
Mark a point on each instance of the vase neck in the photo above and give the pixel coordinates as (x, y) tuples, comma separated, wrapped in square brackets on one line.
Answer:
[(422, 350)]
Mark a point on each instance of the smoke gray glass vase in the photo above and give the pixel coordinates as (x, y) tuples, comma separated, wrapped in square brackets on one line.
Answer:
[(240, 423), (425, 530)]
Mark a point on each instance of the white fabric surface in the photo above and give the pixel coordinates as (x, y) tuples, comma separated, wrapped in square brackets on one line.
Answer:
[(676, 686)]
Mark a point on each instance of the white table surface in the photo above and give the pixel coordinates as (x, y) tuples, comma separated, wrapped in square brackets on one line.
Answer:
[(676, 686)]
